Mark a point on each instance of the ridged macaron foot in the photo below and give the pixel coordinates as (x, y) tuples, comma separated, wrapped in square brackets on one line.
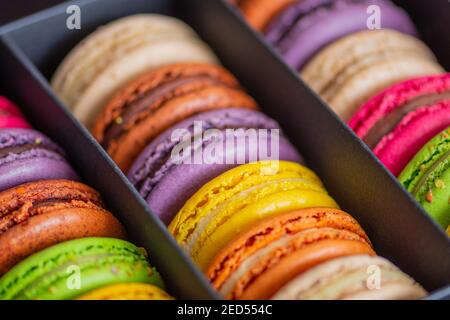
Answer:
[(11, 116), (37, 215), (305, 27), (167, 164), (259, 13), (115, 54), (353, 69), (73, 268), (397, 122), (263, 259), (159, 99), (240, 197), (349, 278), (127, 291), (427, 177), (27, 155)]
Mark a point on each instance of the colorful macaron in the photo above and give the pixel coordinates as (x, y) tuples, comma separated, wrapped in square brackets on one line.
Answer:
[(37, 215), (239, 198), (353, 69), (427, 177), (305, 27), (196, 150), (256, 264), (259, 13), (397, 122), (127, 291), (358, 277), (27, 155), (115, 54), (74, 268), (11, 116), (159, 99)]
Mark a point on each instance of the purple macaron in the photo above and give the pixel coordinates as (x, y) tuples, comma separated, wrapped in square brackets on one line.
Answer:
[(188, 155), (305, 27), (27, 155)]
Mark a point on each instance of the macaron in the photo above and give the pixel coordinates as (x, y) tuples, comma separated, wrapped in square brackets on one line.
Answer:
[(234, 201), (11, 116), (353, 69), (127, 291), (194, 151), (259, 13), (159, 99), (73, 268), (427, 177), (307, 26), (37, 215), (263, 259), (359, 277), (116, 53), (27, 155), (397, 122)]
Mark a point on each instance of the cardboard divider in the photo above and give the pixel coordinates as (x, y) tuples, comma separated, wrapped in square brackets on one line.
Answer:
[(397, 225)]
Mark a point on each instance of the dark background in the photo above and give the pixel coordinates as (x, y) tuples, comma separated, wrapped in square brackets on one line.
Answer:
[(13, 9)]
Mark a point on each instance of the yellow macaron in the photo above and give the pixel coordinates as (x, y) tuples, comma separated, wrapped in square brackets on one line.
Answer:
[(127, 291), (237, 199)]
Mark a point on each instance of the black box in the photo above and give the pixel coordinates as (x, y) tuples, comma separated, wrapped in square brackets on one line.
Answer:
[(32, 48)]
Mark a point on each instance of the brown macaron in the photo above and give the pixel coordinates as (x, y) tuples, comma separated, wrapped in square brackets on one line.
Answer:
[(160, 98), (37, 215)]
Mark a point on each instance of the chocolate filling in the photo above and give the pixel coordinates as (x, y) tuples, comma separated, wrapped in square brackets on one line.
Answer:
[(390, 121), (423, 180), (25, 147), (164, 91)]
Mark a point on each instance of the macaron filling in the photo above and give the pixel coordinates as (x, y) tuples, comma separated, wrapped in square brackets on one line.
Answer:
[(392, 119), (148, 102)]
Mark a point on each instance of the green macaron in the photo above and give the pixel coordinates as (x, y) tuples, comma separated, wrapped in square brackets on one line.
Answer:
[(72, 268), (427, 177)]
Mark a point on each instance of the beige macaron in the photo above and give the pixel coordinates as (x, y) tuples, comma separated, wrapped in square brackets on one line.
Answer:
[(353, 69), (359, 277), (116, 53)]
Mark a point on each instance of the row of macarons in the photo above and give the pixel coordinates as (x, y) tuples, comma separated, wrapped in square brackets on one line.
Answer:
[(57, 239), (385, 83), (265, 229)]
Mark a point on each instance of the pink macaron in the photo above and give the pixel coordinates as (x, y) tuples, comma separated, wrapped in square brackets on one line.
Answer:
[(400, 120), (11, 116)]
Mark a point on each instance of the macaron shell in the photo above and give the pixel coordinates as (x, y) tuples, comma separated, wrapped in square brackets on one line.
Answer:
[(118, 74), (330, 21), (34, 167), (347, 278), (47, 229), (101, 262), (273, 228), (273, 204), (127, 291), (185, 179), (427, 178), (267, 284), (397, 148), (350, 95), (390, 99), (109, 43), (259, 13), (234, 182), (347, 52)]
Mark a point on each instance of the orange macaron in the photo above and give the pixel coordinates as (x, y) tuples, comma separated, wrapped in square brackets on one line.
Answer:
[(261, 260)]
